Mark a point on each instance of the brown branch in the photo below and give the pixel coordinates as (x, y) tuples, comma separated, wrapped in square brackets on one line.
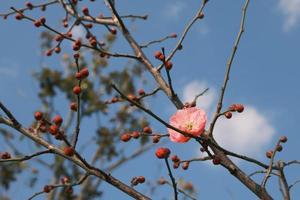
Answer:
[(142, 57)]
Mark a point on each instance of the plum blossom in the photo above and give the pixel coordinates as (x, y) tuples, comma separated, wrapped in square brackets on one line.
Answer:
[(190, 120)]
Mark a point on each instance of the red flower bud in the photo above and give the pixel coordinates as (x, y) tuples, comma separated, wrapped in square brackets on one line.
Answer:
[(125, 137), (38, 115), (69, 151), (162, 153)]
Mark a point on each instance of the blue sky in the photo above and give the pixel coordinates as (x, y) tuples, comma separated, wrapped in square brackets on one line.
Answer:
[(264, 77)]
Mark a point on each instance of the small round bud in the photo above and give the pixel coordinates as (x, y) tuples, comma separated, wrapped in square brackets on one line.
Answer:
[(135, 134), (57, 120), (76, 90), (228, 115), (185, 165), (162, 153), (38, 115), (279, 148), (173, 35), (57, 50), (201, 15), (5, 156), (147, 129), (157, 54), (73, 106), (69, 151), (141, 92), (269, 154), (176, 165), (239, 108), (175, 158), (53, 129), (141, 179), (37, 23), (84, 72), (125, 137), (216, 160), (113, 31), (168, 65), (283, 139), (47, 188), (85, 11), (156, 139), (19, 16)]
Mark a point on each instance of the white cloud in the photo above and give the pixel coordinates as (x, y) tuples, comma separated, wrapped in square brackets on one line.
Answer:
[(174, 9), (291, 11), (245, 133), (195, 87)]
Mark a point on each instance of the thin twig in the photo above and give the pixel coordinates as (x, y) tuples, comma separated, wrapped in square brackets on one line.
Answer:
[(228, 68), (293, 184), (80, 181), (269, 170), (155, 41), (27, 157), (172, 179), (33, 7), (186, 30), (77, 129)]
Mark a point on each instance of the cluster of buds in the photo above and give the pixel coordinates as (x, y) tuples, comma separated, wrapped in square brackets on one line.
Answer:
[(39, 22), (160, 56), (282, 139), (234, 108), (132, 97), (82, 74), (137, 180), (127, 136), (53, 128), (176, 161)]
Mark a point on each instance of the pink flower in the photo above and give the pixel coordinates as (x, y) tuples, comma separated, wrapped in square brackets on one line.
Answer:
[(190, 120)]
